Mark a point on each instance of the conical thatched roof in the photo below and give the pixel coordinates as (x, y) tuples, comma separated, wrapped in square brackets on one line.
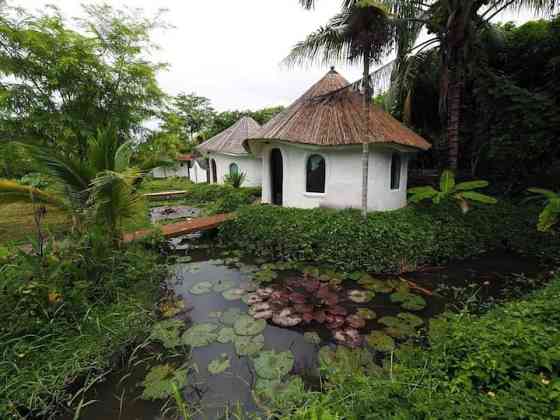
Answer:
[(230, 141), (331, 114)]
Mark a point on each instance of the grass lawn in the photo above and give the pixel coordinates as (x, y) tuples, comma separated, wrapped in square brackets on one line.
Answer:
[(18, 226)]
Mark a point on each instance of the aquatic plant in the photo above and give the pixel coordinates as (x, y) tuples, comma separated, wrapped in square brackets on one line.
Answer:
[(366, 313), (247, 325), (220, 365), (403, 325), (265, 276), (200, 335), (201, 288), (380, 341), (361, 296), (226, 335), (233, 294), (158, 383), (273, 365), (167, 332), (230, 315), (223, 285), (409, 301), (312, 337), (246, 345)]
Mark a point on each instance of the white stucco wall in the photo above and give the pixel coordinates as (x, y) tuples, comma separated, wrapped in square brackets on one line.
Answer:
[(179, 170), (343, 181), (251, 166), (198, 174)]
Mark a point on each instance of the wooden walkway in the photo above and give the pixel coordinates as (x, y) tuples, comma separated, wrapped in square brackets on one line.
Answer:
[(165, 195), (183, 228)]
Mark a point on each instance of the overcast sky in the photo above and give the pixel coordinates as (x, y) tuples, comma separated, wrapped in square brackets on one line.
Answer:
[(230, 50)]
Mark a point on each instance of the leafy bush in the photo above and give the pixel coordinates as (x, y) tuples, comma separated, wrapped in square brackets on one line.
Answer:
[(394, 242), (505, 364), (64, 315), (235, 179)]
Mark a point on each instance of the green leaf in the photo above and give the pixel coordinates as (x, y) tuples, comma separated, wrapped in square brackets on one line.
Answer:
[(549, 216), (471, 185), (479, 198), (220, 365), (547, 193), (447, 181)]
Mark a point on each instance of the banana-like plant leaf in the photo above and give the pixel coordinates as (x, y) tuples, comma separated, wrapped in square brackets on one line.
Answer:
[(478, 197), (12, 192), (447, 181), (549, 216), (422, 190), (551, 195), (471, 185)]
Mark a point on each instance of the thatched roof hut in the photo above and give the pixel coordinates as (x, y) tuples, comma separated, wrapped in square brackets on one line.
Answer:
[(331, 113), (227, 155), (312, 152), (230, 141)]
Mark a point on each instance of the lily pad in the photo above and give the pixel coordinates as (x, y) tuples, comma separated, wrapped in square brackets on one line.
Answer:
[(184, 259), (233, 294), (220, 365), (230, 316), (356, 321), (246, 325), (273, 365), (248, 345), (226, 335), (377, 285), (403, 325), (200, 335), (159, 381), (265, 276), (349, 337), (223, 285), (409, 300), (312, 337), (366, 313), (360, 296), (215, 314), (274, 390), (167, 332), (201, 288), (380, 341), (286, 318)]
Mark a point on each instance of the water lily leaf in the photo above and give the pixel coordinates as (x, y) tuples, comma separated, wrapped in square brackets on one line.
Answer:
[(360, 296), (223, 285), (403, 325), (248, 345), (201, 288), (200, 335), (356, 321), (230, 316), (349, 337), (220, 365), (233, 294), (411, 319), (167, 332), (192, 267), (312, 337), (286, 318), (275, 390), (380, 341), (366, 313), (311, 271), (246, 325), (226, 335), (171, 307), (184, 259), (409, 300), (215, 314), (158, 383), (265, 276), (273, 365), (342, 362)]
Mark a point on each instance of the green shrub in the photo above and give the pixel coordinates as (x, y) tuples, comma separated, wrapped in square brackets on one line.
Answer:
[(502, 365), (392, 242), (66, 314)]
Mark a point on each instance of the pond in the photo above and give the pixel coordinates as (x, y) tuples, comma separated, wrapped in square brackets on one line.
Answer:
[(252, 326)]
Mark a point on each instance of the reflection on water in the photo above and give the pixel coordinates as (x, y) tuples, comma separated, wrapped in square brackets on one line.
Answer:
[(117, 398)]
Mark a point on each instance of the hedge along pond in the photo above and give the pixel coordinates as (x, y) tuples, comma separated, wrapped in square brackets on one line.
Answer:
[(244, 331)]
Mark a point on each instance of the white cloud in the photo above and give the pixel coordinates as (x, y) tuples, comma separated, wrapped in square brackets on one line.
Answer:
[(230, 51)]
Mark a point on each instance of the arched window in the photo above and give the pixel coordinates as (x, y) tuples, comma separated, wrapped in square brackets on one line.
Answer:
[(395, 171), (233, 169), (315, 174)]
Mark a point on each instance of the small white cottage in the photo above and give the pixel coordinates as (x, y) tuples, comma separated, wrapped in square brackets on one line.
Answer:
[(312, 151), (226, 154), (186, 166)]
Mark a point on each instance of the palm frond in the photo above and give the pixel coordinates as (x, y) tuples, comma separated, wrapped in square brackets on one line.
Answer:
[(327, 45), (13, 192)]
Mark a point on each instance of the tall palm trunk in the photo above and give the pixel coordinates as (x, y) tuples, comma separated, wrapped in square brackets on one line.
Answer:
[(454, 101), (365, 144)]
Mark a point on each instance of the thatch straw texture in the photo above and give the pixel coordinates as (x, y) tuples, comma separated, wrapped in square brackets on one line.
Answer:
[(331, 114), (230, 141)]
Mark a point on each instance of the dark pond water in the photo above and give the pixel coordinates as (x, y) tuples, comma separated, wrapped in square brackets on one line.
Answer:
[(215, 395)]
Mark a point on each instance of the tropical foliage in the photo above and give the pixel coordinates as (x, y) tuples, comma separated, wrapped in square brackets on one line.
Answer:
[(551, 213), (463, 192), (235, 179)]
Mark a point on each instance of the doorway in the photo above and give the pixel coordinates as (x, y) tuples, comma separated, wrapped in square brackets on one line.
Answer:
[(276, 176), (214, 172)]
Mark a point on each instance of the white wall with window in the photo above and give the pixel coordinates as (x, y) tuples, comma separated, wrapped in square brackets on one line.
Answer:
[(249, 165), (315, 176)]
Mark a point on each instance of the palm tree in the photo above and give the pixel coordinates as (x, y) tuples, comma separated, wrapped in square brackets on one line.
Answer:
[(361, 32), (454, 24), (100, 187)]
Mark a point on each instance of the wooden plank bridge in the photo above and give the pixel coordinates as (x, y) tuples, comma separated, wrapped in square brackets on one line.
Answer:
[(183, 228)]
